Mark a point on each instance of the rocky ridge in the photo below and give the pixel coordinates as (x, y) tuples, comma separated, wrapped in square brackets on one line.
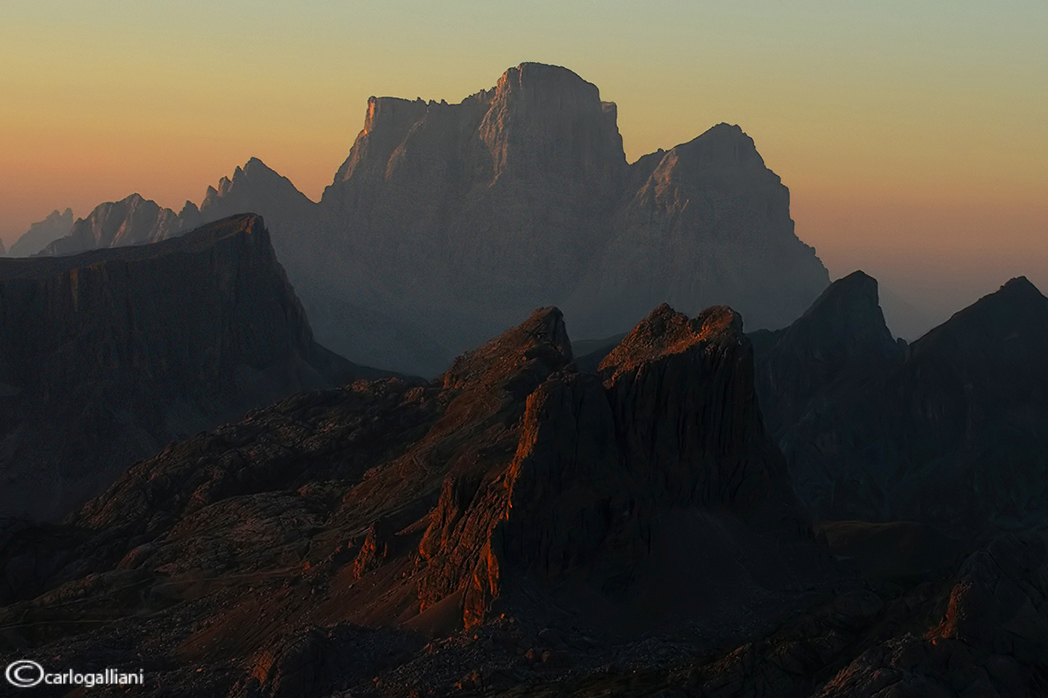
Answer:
[(132, 221), (513, 486), (943, 431), (108, 355)]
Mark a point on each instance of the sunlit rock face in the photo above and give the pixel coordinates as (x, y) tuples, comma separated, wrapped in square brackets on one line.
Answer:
[(106, 356), (609, 469)]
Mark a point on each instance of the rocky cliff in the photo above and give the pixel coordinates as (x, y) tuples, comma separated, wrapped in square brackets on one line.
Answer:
[(43, 233), (636, 500), (705, 223), (459, 217), (106, 356), (943, 431)]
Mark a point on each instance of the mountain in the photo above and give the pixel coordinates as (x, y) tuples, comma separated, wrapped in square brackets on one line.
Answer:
[(947, 431), (521, 527), (132, 221), (448, 221), (42, 234), (257, 188), (456, 218), (709, 223), (514, 486), (841, 339), (253, 188), (107, 355)]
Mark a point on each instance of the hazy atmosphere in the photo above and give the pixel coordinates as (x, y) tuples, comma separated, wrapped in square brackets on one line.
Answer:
[(914, 140), (385, 350)]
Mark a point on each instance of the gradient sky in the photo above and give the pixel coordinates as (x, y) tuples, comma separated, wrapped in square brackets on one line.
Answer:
[(913, 136)]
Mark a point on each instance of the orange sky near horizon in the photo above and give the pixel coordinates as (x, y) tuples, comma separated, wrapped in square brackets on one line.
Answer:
[(914, 141)]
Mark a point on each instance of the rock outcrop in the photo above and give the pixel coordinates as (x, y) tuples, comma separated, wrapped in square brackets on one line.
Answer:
[(991, 639), (43, 233), (945, 431), (842, 338), (672, 432), (108, 355)]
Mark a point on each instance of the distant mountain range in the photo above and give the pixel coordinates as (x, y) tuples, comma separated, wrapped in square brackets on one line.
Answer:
[(449, 221)]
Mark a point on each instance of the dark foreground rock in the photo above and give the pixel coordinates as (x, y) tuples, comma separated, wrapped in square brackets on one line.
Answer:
[(520, 527), (107, 356), (513, 520), (947, 431)]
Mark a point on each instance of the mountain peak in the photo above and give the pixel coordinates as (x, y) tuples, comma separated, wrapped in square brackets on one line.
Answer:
[(851, 301), (845, 320), (842, 337), (546, 77), (254, 167), (135, 199), (133, 220), (43, 233), (723, 146), (1020, 286), (665, 331), (1012, 319), (541, 339)]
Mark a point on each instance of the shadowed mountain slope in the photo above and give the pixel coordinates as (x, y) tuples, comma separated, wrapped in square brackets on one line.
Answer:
[(513, 485), (107, 355), (948, 431), (464, 216)]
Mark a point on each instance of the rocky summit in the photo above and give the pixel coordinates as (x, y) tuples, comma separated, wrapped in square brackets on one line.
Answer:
[(447, 222), (108, 355)]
